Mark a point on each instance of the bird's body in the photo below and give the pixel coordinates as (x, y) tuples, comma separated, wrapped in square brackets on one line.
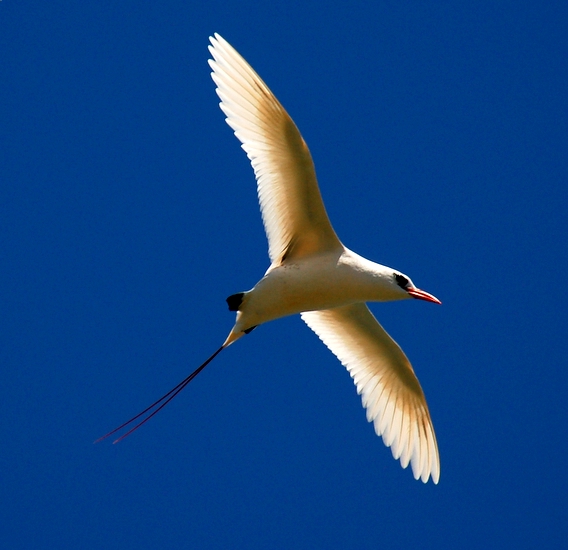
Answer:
[(313, 274), (318, 281)]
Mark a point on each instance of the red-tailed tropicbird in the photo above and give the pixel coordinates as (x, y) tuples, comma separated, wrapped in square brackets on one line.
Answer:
[(312, 273)]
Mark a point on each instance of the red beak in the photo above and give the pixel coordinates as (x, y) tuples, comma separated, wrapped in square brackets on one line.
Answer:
[(422, 295)]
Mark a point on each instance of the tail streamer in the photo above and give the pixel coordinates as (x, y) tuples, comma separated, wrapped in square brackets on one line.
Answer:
[(160, 403)]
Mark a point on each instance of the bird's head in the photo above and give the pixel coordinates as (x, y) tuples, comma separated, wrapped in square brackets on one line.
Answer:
[(408, 286)]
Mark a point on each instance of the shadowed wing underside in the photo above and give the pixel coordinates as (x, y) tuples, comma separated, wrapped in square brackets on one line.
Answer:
[(386, 382), (293, 213)]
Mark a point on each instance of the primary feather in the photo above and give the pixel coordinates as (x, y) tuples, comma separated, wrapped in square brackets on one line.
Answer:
[(282, 163)]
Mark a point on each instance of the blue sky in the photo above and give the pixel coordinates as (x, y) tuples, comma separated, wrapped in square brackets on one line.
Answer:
[(128, 213)]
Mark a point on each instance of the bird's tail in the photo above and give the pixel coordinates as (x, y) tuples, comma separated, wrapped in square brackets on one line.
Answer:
[(158, 405)]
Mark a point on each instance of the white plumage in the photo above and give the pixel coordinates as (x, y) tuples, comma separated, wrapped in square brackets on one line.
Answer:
[(386, 382), (279, 156), (300, 235), (313, 274)]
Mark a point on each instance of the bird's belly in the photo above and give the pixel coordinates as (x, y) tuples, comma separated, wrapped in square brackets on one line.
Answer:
[(294, 288)]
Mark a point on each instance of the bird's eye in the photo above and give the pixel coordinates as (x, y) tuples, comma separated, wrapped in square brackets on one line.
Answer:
[(401, 280)]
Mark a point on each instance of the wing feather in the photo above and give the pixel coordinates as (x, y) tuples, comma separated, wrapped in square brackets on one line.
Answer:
[(385, 380), (293, 213)]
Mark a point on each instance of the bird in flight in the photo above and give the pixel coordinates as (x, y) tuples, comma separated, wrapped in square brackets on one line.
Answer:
[(312, 273)]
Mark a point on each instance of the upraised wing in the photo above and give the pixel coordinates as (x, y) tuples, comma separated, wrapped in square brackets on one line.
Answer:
[(385, 380), (293, 213)]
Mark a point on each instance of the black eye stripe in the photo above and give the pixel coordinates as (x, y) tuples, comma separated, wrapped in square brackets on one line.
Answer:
[(401, 280)]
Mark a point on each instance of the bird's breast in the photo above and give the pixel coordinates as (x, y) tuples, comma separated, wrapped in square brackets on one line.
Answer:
[(320, 283)]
